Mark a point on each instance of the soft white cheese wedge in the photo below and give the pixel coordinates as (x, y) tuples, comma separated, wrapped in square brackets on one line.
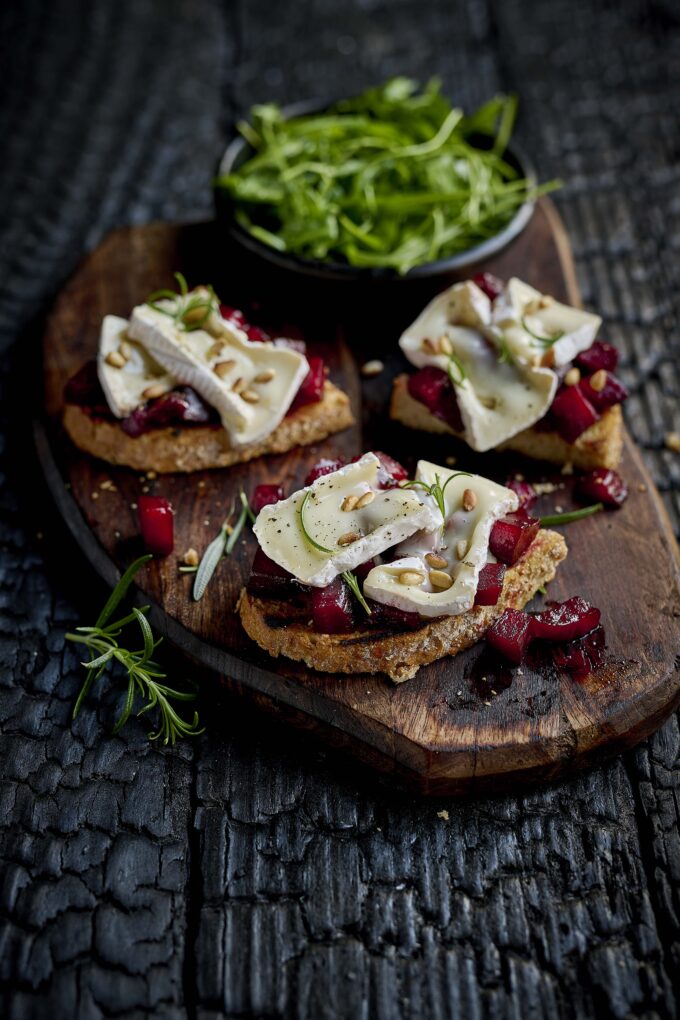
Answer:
[(545, 318), (140, 377), (463, 542), (497, 399), (251, 385), (388, 517)]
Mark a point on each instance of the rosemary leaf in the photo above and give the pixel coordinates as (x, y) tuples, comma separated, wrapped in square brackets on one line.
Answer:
[(211, 557), (571, 515), (355, 588)]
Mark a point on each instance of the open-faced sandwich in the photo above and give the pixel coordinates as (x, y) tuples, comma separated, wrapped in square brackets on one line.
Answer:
[(187, 384), (503, 366), (363, 571)]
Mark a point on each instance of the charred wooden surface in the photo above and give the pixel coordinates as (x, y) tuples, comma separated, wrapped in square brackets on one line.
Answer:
[(245, 875)]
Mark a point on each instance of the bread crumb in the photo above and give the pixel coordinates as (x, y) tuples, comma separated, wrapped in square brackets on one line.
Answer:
[(190, 558), (450, 461), (559, 509), (443, 814), (672, 441), (371, 368), (568, 468), (151, 475), (95, 495)]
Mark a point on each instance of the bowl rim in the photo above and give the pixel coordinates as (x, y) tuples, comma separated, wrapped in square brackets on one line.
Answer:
[(345, 271)]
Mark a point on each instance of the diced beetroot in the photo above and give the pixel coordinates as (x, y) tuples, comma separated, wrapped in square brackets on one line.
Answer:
[(490, 584), (332, 608), (572, 413), (325, 466), (256, 335), (512, 535), (613, 392), (525, 493), (603, 486), (181, 406), (565, 621), (84, 389), (391, 616), (582, 656), (311, 388), (156, 524), (291, 344), (490, 284), (600, 355), (432, 387), (269, 580), (363, 570), (264, 495), (234, 315), (511, 634), (390, 472)]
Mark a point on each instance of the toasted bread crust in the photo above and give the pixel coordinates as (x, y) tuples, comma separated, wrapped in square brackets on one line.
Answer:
[(599, 446), (399, 654), (200, 447)]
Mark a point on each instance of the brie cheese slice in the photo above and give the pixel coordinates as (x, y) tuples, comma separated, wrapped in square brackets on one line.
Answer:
[(251, 385), (497, 398), (125, 386), (352, 535), (462, 539)]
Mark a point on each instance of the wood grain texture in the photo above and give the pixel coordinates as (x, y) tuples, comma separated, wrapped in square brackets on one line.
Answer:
[(444, 731)]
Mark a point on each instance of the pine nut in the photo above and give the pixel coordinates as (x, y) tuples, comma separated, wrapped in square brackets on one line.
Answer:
[(572, 377), (436, 561), (371, 368), (546, 300), (469, 500), (115, 359), (349, 503), (445, 345), (250, 396), (223, 368), (411, 577), (125, 349), (533, 306), (430, 346), (349, 538), (548, 359), (598, 381), (194, 315), (153, 391), (364, 500), (440, 579), (215, 349), (461, 548), (238, 385), (265, 377)]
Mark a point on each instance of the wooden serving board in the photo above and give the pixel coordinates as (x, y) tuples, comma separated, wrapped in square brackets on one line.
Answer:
[(449, 730)]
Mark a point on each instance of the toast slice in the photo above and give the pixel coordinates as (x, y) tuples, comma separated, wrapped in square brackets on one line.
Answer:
[(276, 628), (200, 447), (599, 446)]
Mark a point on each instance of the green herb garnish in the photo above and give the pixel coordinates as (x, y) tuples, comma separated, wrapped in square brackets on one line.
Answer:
[(571, 515), (355, 588), (143, 674), (394, 178), (545, 341), (506, 357), (303, 527), (222, 545), (436, 490), (456, 370), (188, 311)]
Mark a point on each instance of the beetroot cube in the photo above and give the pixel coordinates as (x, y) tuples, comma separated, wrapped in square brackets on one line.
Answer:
[(234, 315), (490, 584), (264, 495), (613, 392), (156, 524), (268, 580), (572, 413), (565, 621), (600, 355), (525, 493), (311, 387), (511, 634), (325, 466), (332, 608), (390, 472), (489, 283), (512, 535), (603, 486), (432, 387), (255, 334), (390, 616)]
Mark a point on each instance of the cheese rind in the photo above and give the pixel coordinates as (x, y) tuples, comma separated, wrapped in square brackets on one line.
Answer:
[(464, 531), (124, 386), (192, 356), (391, 516)]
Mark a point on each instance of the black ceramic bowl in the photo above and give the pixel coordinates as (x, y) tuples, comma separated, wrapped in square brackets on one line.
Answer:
[(239, 151)]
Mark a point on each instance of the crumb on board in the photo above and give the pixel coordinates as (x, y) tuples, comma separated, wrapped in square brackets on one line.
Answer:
[(443, 814), (672, 441)]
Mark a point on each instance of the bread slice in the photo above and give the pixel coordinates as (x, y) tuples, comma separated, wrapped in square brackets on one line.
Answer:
[(198, 447), (276, 629), (599, 446)]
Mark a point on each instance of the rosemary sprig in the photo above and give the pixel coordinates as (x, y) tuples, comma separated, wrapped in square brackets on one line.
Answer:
[(222, 545), (571, 515), (506, 357), (143, 674), (303, 527), (188, 311), (436, 490), (456, 370), (355, 588), (545, 341)]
